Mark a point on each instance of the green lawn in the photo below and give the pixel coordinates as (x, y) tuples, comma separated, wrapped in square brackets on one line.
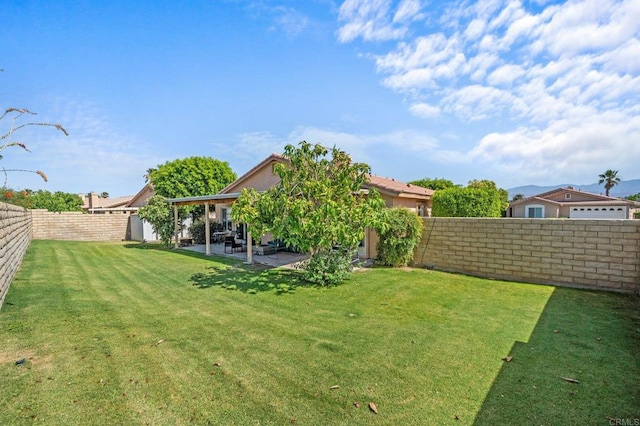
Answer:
[(133, 334)]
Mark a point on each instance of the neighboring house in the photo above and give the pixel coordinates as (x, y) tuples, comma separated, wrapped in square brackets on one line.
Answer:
[(92, 203), (141, 230), (575, 204), (140, 199), (261, 177)]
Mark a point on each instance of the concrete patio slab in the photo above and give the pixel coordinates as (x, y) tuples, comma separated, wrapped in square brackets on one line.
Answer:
[(278, 259)]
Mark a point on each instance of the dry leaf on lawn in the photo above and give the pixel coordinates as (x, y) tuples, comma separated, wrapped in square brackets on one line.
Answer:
[(373, 407)]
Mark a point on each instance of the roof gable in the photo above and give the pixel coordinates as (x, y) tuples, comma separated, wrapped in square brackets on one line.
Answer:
[(397, 188), (140, 199), (260, 177)]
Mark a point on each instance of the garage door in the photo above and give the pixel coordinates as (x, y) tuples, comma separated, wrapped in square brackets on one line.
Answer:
[(593, 212)]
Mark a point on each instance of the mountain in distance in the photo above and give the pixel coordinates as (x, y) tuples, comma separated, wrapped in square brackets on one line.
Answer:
[(623, 189)]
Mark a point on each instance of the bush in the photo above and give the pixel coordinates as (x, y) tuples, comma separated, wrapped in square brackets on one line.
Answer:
[(399, 235), (327, 267), (196, 230), (467, 202)]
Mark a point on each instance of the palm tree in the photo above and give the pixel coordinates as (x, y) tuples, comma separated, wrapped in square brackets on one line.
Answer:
[(610, 179)]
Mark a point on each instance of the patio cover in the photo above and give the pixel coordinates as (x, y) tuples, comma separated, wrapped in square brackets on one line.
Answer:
[(207, 200)]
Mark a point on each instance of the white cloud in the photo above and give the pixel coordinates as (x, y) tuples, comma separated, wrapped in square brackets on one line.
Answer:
[(425, 110), (290, 21), (544, 88), (376, 20), (407, 10), (574, 146), (505, 75), (475, 29)]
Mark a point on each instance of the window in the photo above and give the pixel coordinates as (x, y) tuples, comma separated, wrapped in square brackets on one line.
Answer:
[(534, 211), (226, 218), (567, 196)]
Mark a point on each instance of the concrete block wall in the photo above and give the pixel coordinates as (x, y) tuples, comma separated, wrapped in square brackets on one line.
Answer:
[(598, 254), (79, 226), (15, 236)]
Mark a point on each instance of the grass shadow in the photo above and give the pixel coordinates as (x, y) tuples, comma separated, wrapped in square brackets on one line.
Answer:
[(234, 274), (580, 365), (189, 253), (249, 279)]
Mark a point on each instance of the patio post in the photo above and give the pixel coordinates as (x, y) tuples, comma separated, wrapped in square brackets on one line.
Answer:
[(176, 228), (249, 247), (207, 234)]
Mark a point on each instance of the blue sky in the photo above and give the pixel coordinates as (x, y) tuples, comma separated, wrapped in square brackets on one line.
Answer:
[(520, 92)]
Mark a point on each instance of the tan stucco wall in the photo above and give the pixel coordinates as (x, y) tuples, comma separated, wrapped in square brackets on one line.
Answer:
[(15, 236), (599, 254), (261, 179), (141, 199)]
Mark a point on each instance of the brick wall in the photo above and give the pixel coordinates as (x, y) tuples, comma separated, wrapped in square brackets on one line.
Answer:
[(15, 236), (600, 254), (79, 226)]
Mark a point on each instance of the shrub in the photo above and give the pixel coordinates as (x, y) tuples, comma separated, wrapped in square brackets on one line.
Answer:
[(467, 202), (196, 230), (327, 267), (398, 237)]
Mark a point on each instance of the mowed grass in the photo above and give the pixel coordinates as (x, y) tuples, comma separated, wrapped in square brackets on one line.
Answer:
[(117, 333)]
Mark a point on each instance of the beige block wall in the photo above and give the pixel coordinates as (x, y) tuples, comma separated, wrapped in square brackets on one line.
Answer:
[(15, 236), (598, 254), (79, 226)]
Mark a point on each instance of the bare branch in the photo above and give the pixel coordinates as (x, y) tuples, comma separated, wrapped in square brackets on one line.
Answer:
[(14, 114), (13, 130), (38, 172)]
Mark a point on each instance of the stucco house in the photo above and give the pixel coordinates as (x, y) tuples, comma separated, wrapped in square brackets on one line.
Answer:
[(261, 177), (92, 203), (571, 203)]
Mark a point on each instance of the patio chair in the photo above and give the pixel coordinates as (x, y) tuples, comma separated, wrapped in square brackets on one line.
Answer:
[(232, 244)]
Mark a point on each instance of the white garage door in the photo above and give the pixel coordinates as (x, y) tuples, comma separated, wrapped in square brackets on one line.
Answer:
[(597, 212)]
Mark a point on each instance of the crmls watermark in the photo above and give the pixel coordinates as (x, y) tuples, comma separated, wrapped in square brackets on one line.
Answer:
[(624, 422)]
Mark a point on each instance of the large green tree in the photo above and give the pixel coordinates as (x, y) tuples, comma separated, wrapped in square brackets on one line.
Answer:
[(56, 201), (191, 176), (435, 184), (491, 187), (610, 179), (317, 205)]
